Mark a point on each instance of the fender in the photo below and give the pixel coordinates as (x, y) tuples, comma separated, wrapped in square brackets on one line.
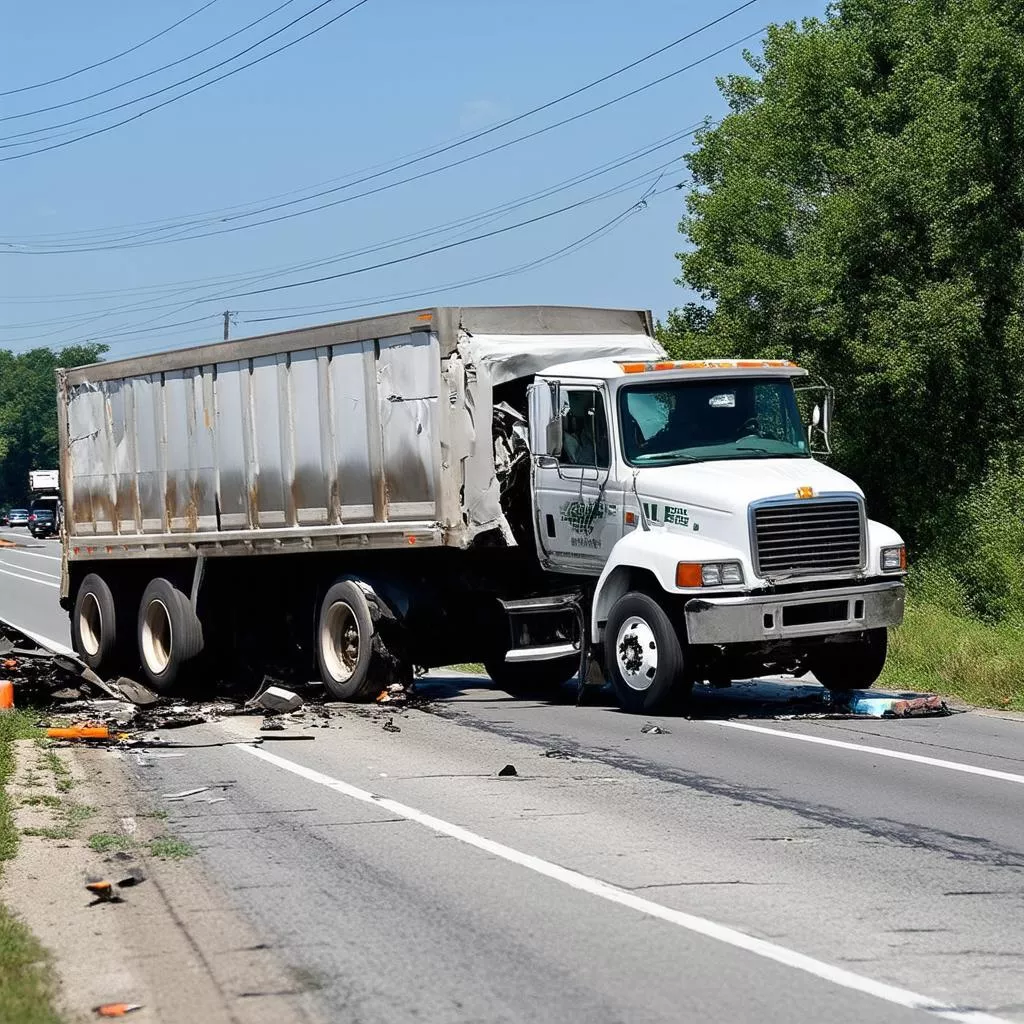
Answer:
[(880, 536), (653, 553)]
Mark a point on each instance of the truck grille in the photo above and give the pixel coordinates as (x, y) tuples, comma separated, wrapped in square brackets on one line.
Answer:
[(826, 535)]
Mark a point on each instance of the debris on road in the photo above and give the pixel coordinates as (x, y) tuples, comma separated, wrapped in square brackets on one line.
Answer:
[(651, 729), (389, 726), (560, 755), (104, 892), (278, 700), (187, 792), (116, 1009), (869, 705), (79, 732), (507, 771), (394, 694), (135, 692)]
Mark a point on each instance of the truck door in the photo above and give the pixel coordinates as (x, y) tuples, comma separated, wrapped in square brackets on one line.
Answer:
[(578, 519)]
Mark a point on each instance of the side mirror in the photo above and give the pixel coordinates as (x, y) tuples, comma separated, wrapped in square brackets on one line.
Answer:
[(545, 399), (553, 436)]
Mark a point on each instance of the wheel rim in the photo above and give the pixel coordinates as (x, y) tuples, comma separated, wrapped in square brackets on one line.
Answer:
[(90, 625), (636, 654), (340, 641), (157, 637)]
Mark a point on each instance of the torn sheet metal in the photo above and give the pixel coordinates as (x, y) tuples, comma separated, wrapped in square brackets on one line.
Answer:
[(494, 359)]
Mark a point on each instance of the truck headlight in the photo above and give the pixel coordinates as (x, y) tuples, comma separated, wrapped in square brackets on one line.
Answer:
[(894, 559), (708, 574)]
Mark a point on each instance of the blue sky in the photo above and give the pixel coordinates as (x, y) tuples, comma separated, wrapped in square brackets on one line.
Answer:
[(393, 78)]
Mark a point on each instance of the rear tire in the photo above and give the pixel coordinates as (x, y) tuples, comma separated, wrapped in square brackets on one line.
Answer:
[(344, 642), (852, 666), (169, 634), (532, 678), (643, 654), (94, 624)]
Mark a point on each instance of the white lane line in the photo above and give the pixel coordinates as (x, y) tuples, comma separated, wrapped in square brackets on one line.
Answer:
[(55, 645), (28, 568), (863, 748), (31, 579), (595, 887), (30, 554)]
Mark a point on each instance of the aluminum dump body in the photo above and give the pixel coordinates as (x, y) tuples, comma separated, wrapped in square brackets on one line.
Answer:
[(367, 433)]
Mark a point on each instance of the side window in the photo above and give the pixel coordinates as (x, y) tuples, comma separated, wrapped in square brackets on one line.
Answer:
[(584, 429)]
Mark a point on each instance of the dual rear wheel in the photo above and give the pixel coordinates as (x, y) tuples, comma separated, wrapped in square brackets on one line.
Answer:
[(168, 633)]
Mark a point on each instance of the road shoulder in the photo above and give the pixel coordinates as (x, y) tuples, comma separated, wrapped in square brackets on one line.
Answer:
[(174, 944)]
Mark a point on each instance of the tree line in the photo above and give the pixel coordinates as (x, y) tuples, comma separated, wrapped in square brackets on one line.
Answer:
[(28, 413), (861, 209)]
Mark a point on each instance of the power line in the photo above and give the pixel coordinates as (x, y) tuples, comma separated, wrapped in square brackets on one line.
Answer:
[(376, 266), (75, 321), (280, 271), (112, 246), (199, 220), (139, 78), (108, 60), (194, 89), (369, 302)]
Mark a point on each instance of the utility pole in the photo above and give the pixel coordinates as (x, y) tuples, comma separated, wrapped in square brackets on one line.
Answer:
[(228, 321)]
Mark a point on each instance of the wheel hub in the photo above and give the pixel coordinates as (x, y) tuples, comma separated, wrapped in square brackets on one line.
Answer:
[(637, 654), (340, 641)]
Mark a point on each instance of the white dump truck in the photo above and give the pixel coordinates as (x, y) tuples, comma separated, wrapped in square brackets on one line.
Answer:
[(539, 489)]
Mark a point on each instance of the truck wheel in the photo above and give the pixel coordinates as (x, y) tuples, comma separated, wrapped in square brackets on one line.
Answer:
[(94, 623), (852, 666), (540, 678), (344, 642), (169, 631), (643, 655)]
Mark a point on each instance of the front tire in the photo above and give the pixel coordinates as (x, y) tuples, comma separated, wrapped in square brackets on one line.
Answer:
[(643, 654), (169, 634), (852, 666)]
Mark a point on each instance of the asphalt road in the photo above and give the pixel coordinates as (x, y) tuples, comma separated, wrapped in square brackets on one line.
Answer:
[(727, 869)]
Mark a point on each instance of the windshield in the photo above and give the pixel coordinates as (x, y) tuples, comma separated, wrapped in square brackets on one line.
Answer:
[(682, 421)]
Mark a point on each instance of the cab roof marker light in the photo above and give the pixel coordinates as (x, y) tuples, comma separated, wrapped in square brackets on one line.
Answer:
[(709, 364)]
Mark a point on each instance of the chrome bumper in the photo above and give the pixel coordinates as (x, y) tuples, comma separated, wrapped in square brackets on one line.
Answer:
[(813, 613)]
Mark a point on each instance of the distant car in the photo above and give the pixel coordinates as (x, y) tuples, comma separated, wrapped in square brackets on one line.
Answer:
[(42, 522), (17, 517)]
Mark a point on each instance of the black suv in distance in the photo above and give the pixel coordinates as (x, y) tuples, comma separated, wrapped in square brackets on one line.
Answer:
[(42, 518)]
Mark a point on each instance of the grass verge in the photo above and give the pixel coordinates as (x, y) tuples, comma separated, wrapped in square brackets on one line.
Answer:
[(26, 990), (938, 650)]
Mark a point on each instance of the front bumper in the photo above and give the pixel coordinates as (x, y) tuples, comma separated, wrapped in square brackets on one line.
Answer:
[(757, 618)]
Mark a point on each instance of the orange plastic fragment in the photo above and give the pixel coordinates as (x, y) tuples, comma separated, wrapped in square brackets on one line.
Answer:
[(80, 732), (116, 1009)]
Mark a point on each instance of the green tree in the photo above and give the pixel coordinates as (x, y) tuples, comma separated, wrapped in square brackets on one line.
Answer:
[(861, 209), (28, 412)]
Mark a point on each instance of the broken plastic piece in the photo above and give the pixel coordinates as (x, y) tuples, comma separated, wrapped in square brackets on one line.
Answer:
[(654, 730), (80, 732), (279, 700), (103, 891), (186, 792), (509, 769), (136, 692), (116, 1009)]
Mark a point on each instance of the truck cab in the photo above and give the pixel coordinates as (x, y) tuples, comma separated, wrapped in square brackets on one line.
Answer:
[(709, 541)]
